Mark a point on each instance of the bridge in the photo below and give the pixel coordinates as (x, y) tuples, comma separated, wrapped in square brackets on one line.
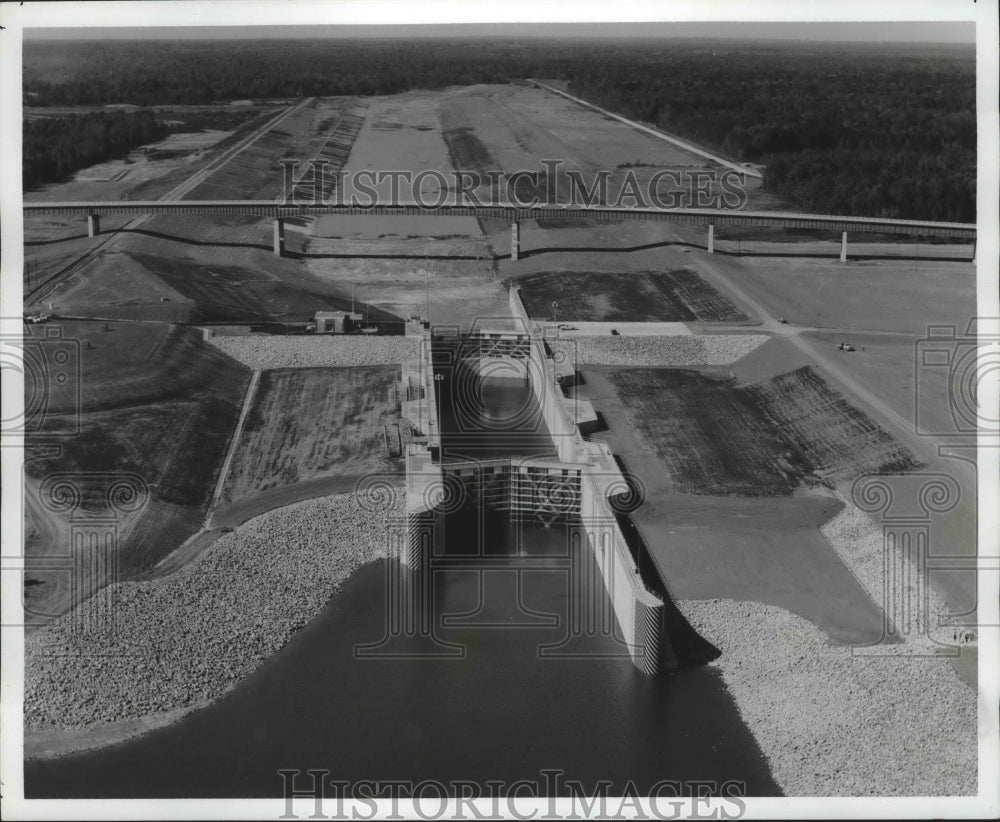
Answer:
[(508, 212)]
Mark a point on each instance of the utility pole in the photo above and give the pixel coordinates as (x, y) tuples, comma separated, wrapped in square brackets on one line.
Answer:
[(427, 295)]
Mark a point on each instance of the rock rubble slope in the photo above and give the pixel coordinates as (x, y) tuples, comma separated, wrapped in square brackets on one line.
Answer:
[(833, 722), (261, 352), (185, 639), (687, 350)]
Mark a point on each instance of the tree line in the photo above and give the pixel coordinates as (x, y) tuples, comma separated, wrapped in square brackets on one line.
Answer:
[(54, 147), (872, 129), (839, 131)]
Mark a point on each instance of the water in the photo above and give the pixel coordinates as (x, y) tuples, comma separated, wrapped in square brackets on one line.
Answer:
[(498, 712)]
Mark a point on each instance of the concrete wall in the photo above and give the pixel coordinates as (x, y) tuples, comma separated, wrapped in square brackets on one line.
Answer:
[(541, 371), (425, 493), (561, 425), (422, 410), (639, 611), (424, 480), (431, 494)]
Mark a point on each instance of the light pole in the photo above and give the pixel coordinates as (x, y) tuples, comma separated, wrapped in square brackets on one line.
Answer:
[(427, 295)]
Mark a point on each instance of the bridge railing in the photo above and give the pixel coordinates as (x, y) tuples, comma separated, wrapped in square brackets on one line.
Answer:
[(510, 212)]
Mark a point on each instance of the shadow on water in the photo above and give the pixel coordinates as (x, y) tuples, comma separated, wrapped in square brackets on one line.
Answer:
[(500, 661), (501, 711)]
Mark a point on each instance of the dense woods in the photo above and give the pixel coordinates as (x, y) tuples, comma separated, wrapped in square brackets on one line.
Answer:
[(845, 131), (868, 129), (56, 146)]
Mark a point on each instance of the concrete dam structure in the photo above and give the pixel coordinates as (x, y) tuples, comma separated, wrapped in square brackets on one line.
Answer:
[(549, 478)]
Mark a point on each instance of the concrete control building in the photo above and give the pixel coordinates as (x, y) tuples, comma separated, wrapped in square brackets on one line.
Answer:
[(337, 322)]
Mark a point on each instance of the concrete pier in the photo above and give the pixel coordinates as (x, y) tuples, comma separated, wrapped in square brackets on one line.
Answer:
[(93, 225), (515, 240), (711, 238), (843, 247), (279, 238)]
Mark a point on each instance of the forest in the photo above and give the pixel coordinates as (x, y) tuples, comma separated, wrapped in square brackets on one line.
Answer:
[(868, 129), (56, 146), (842, 131)]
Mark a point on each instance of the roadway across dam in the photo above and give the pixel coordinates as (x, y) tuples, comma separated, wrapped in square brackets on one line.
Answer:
[(513, 213)]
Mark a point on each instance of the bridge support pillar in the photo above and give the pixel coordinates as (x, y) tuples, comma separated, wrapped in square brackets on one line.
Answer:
[(843, 247), (711, 238), (279, 238), (93, 225), (515, 240)]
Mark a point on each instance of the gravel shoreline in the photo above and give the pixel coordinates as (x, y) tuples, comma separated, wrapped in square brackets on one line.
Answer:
[(831, 723), (861, 545), (838, 721), (184, 640), (696, 349), (262, 352)]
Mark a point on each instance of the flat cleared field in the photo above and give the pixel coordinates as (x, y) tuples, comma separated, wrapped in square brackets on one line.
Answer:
[(256, 173), (401, 132), (647, 296), (404, 265), (884, 295), (515, 127), (767, 549), (765, 439), (892, 367), (307, 423), (154, 401)]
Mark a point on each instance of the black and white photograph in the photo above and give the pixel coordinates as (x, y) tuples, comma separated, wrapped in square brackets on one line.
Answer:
[(525, 410)]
